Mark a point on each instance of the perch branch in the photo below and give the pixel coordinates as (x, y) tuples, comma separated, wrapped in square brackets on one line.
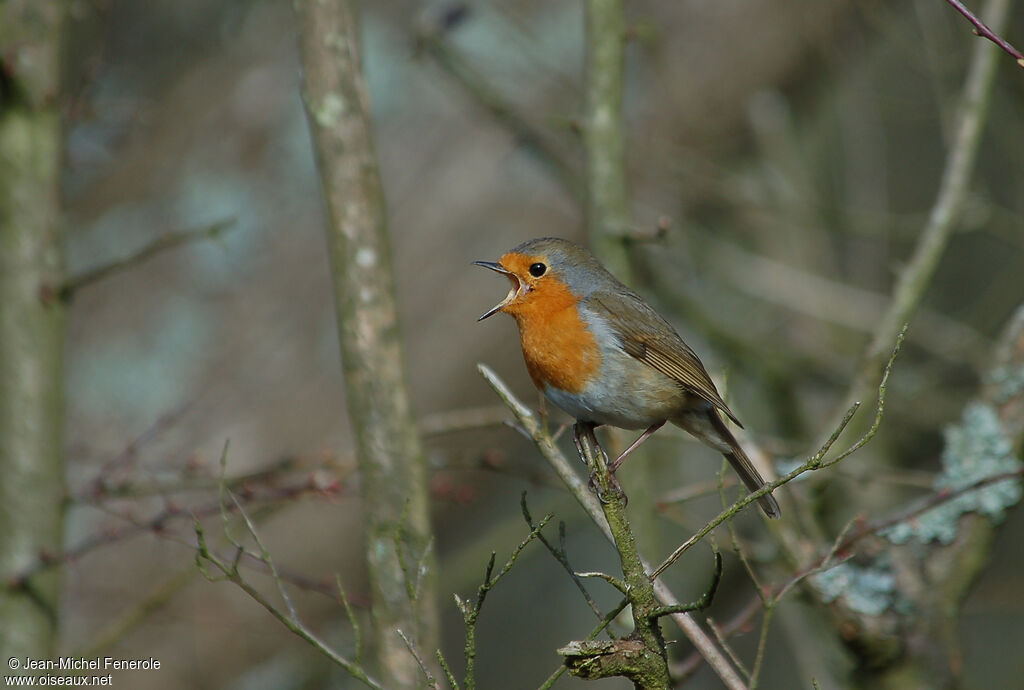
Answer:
[(567, 472)]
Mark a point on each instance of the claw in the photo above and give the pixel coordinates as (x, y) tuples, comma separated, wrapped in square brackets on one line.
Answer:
[(616, 488), (578, 442), (597, 489), (581, 431)]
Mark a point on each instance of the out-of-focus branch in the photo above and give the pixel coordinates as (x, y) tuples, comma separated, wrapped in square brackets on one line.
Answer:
[(956, 176), (834, 302), (982, 30), (171, 240), (272, 495), (608, 217), (391, 461), (31, 330), (158, 598), (604, 137), (463, 419), (432, 40)]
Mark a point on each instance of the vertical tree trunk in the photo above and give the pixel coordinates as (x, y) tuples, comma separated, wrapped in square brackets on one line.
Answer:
[(604, 136), (391, 461), (31, 326), (607, 208)]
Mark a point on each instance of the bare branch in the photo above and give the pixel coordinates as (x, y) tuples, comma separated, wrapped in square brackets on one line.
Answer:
[(392, 466), (980, 29), (560, 555), (171, 240), (431, 681)]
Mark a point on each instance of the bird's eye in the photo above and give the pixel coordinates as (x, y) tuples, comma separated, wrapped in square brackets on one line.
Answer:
[(537, 269)]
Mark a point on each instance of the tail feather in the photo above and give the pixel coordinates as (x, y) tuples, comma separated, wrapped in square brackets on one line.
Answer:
[(709, 428)]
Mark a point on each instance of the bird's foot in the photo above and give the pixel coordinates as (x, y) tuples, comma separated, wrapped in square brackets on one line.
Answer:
[(616, 489), (584, 432), (577, 439), (583, 436)]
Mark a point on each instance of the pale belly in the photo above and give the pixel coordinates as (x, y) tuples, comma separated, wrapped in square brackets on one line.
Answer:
[(629, 395)]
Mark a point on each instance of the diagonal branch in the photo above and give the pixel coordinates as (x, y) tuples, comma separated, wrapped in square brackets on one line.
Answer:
[(171, 240), (982, 30)]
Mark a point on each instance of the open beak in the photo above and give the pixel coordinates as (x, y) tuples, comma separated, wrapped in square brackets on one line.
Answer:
[(512, 293)]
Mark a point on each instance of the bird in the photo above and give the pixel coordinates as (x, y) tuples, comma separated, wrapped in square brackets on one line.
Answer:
[(597, 350)]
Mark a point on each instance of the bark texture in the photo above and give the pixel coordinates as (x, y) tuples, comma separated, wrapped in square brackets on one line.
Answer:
[(391, 461), (31, 325)]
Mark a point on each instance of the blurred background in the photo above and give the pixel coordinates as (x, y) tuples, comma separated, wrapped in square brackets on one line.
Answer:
[(783, 158)]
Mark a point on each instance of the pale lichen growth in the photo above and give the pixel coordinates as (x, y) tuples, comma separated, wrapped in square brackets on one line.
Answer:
[(869, 591), (976, 448), (1009, 382), (366, 257), (329, 111)]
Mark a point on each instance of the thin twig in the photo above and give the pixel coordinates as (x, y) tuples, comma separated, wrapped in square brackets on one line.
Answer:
[(471, 612), (927, 504), (840, 552), (727, 647), (430, 680), (705, 599), (229, 570), (980, 29), (171, 240), (449, 676), (352, 620), (615, 582), (432, 40), (464, 419), (561, 555), (815, 462)]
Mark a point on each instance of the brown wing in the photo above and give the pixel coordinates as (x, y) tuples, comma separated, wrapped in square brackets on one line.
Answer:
[(648, 337)]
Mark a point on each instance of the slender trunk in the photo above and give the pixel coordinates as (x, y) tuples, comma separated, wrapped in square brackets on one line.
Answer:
[(31, 325), (391, 461), (608, 211)]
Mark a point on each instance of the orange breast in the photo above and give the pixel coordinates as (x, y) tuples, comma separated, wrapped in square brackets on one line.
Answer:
[(559, 349)]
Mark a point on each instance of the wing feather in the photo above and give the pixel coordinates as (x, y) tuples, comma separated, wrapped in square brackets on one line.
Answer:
[(643, 334)]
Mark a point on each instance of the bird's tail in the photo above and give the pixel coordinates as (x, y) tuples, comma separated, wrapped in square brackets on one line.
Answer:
[(708, 427)]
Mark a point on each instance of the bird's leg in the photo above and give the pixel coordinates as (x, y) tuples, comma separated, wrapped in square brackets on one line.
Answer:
[(581, 430), (636, 444), (584, 432), (577, 439)]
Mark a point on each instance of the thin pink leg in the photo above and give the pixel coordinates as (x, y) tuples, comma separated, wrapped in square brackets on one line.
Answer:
[(636, 444)]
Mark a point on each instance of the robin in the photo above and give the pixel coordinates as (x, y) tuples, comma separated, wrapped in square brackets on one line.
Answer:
[(598, 351)]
